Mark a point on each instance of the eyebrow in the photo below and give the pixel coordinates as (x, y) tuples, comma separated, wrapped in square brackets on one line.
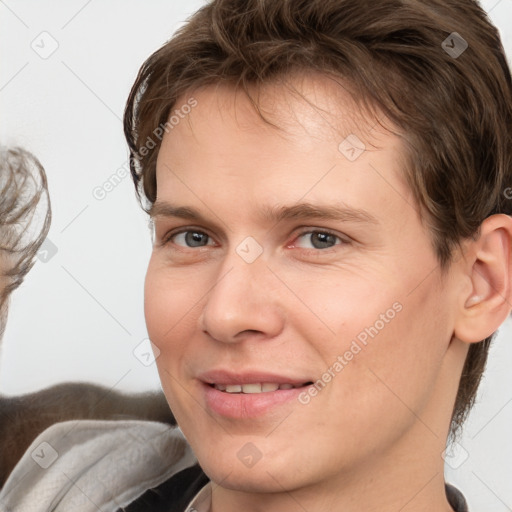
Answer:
[(302, 211)]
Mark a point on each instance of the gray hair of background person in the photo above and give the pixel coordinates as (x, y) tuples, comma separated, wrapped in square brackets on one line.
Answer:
[(25, 217)]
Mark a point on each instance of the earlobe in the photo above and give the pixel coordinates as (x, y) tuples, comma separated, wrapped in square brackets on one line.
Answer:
[(489, 301)]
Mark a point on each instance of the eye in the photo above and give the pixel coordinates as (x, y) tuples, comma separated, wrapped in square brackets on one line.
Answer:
[(190, 239), (319, 240), (309, 240)]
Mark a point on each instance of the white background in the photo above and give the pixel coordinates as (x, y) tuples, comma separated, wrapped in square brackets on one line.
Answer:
[(79, 316)]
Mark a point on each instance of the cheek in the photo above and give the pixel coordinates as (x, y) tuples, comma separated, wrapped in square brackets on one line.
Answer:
[(390, 380), (169, 300), (383, 338), (157, 301), (162, 309), (341, 306)]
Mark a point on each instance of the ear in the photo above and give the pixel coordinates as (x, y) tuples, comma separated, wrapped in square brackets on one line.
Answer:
[(487, 300)]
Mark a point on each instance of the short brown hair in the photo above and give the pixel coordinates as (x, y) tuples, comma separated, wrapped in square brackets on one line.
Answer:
[(454, 110), (25, 217)]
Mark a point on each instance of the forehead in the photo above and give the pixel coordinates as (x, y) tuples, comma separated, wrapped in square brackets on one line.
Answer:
[(314, 106), (312, 119)]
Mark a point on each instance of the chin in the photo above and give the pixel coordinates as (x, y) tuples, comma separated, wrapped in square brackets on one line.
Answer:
[(269, 471), (251, 480)]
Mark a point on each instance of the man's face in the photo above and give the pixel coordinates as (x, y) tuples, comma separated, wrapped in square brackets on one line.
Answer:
[(354, 303)]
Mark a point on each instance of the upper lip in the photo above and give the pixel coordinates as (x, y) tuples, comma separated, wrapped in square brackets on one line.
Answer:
[(228, 377)]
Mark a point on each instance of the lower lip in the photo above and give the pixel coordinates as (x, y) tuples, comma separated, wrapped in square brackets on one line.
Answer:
[(247, 405)]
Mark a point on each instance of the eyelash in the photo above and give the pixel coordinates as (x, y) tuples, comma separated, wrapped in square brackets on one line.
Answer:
[(168, 239)]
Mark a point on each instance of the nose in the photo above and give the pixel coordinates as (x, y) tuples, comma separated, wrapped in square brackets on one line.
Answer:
[(243, 303)]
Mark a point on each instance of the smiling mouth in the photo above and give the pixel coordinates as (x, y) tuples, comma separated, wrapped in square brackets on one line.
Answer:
[(265, 387)]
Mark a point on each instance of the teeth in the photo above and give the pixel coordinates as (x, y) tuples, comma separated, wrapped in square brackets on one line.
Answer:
[(252, 388)]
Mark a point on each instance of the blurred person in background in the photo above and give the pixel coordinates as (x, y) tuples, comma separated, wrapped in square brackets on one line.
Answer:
[(25, 217)]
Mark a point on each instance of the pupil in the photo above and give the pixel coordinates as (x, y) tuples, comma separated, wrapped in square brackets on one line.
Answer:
[(194, 239), (323, 239)]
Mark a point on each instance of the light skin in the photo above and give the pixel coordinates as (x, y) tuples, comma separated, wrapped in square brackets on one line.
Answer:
[(372, 438)]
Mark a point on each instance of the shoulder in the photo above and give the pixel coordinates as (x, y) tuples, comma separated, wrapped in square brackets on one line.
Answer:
[(87, 465)]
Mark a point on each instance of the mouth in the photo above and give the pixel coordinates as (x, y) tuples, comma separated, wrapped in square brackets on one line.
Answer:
[(255, 388), (250, 394)]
